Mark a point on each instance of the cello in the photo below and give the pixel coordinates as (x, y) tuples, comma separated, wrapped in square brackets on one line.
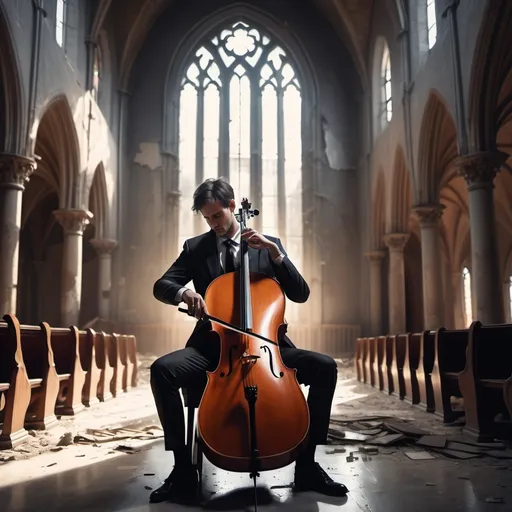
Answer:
[(253, 415)]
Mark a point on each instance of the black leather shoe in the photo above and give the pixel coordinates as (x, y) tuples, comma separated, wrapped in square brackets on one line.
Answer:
[(311, 477), (180, 487)]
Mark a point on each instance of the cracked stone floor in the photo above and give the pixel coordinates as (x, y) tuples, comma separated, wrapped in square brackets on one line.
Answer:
[(97, 477)]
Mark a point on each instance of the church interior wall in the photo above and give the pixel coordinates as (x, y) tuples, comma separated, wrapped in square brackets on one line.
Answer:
[(339, 105), (349, 155)]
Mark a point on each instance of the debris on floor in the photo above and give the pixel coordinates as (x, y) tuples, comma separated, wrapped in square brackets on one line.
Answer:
[(392, 431)]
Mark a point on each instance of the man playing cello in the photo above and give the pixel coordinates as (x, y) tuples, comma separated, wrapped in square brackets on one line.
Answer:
[(203, 259)]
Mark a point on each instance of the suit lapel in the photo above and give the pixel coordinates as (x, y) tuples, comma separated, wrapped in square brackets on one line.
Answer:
[(212, 256), (254, 259)]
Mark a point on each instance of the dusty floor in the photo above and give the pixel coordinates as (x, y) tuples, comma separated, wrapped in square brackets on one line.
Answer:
[(118, 474)]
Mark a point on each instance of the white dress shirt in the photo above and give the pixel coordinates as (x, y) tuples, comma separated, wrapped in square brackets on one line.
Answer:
[(222, 248)]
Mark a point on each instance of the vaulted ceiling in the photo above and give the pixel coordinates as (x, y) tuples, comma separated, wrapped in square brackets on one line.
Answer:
[(351, 20)]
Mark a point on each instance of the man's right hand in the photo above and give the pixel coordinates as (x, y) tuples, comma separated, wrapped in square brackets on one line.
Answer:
[(195, 303)]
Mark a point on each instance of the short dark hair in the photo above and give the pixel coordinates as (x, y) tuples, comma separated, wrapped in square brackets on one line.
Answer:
[(211, 190)]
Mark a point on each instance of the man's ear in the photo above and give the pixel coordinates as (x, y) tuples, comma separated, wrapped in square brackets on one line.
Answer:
[(232, 205)]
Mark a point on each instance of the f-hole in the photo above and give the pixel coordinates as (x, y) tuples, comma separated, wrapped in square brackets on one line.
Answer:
[(271, 362), (231, 349)]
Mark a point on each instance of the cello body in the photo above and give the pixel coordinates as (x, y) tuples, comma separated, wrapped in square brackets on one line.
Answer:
[(253, 414)]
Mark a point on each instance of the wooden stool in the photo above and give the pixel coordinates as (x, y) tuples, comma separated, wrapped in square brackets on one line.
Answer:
[(192, 398)]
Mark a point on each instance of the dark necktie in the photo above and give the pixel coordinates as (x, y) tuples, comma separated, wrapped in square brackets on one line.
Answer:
[(230, 256)]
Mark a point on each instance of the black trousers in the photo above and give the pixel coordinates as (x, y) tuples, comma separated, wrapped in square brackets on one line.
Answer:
[(187, 367)]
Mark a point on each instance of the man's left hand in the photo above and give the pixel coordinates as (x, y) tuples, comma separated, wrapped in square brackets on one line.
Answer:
[(258, 241)]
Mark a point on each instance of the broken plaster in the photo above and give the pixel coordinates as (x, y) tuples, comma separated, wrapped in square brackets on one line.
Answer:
[(149, 155)]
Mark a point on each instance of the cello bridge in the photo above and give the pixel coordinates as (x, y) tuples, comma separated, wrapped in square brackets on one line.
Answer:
[(248, 358)]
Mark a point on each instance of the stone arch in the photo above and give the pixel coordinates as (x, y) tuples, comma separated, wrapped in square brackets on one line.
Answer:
[(492, 63), (252, 15), (57, 147), (12, 105), (437, 149), (379, 211), (98, 202), (401, 194), (454, 196)]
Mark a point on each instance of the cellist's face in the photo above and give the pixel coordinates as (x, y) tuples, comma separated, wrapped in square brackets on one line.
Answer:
[(220, 218)]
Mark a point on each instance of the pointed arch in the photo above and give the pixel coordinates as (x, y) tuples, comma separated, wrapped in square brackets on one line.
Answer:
[(401, 194), (57, 146), (98, 202), (492, 62), (382, 94), (379, 211), (12, 105), (437, 149), (251, 15)]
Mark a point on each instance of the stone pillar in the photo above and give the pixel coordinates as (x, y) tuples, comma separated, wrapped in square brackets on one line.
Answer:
[(433, 308), (397, 312), (375, 262), (74, 223), (479, 171), (15, 171), (104, 248)]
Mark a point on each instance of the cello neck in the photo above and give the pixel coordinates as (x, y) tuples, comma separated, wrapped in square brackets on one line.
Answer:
[(245, 289)]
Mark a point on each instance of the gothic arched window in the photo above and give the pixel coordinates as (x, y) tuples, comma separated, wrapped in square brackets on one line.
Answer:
[(431, 23), (96, 76), (60, 20), (466, 289), (387, 103), (240, 117)]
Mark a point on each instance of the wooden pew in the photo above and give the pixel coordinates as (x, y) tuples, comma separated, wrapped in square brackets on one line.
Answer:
[(103, 391), (410, 370), (395, 358), (111, 342), (380, 359), (88, 362), (399, 354), (486, 380), (65, 346), (359, 359), (366, 375), (389, 383), (131, 350), (370, 361), (449, 361), (427, 357), (14, 385), (125, 363), (44, 382)]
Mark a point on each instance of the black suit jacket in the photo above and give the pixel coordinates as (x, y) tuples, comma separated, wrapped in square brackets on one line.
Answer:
[(199, 262)]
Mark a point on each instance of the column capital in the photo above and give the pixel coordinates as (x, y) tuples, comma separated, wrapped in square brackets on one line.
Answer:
[(15, 170), (375, 256), (396, 241), (104, 246), (429, 214), (480, 169), (73, 221)]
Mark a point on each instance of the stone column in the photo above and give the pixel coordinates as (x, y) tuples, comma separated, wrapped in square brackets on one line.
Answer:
[(397, 313), (15, 171), (74, 223), (375, 262), (433, 308), (104, 248), (479, 171)]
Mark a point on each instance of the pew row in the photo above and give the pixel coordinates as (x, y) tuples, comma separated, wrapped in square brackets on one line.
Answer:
[(422, 368), (47, 372), (486, 380)]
